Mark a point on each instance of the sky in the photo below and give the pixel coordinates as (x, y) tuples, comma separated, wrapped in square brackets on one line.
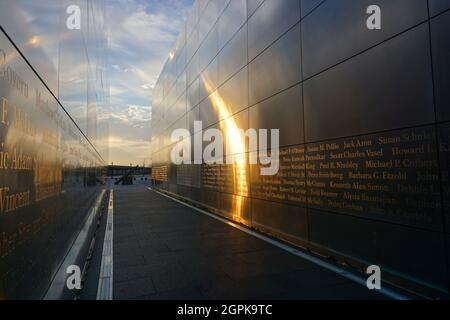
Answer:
[(141, 34)]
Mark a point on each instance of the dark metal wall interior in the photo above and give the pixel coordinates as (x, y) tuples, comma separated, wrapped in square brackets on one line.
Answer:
[(49, 164), (364, 118)]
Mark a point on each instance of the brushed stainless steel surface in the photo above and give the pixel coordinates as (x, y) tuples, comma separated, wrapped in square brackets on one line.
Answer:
[(440, 41), (52, 146), (364, 160)]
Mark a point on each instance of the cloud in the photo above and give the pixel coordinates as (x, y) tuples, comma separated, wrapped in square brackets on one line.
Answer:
[(127, 151), (119, 69), (141, 34), (133, 115)]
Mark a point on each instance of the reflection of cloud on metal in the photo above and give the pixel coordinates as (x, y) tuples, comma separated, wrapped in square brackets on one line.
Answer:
[(235, 147), (147, 86), (9, 58), (35, 41), (2, 58)]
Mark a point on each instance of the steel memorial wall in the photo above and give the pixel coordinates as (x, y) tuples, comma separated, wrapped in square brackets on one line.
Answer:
[(363, 117), (50, 154)]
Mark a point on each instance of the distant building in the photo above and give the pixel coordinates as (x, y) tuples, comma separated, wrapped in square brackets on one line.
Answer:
[(119, 171)]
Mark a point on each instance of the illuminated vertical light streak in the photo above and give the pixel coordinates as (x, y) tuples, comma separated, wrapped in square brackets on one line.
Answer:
[(236, 148)]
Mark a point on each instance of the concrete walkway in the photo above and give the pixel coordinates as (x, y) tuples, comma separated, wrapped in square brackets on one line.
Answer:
[(164, 250)]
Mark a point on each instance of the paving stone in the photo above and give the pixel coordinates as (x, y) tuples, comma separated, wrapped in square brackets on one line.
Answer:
[(164, 250)]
